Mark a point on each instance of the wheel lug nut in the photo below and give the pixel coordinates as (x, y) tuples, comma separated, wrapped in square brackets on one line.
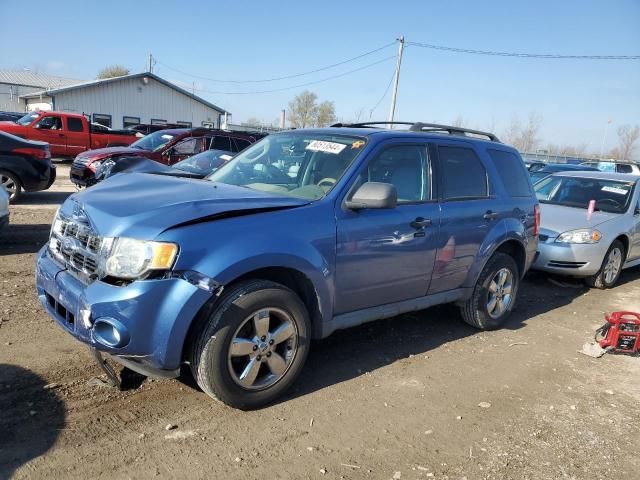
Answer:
[(255, 347), (259, 357), (271, 342), (268, 354), (263, 338)]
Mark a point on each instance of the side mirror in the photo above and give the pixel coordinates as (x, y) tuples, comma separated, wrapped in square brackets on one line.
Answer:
[(373, 195)]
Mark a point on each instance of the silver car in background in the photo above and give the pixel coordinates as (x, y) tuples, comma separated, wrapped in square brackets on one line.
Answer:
[(597, 245), (4, 208)]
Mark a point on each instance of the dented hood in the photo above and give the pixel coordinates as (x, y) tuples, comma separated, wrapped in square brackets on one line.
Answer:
[(141, 205)]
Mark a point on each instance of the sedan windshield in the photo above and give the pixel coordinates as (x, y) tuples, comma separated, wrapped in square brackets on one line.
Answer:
[(154, 141), (609, 195), (28, 119), (298, 164)]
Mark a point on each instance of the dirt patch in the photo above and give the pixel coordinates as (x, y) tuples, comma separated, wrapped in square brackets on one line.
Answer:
[(417, 396)]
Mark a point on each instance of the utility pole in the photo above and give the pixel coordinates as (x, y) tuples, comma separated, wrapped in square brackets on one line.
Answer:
[(396, 79), (150, 68)]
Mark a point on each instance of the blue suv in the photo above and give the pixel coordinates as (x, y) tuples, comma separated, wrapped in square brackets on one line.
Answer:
[(303, 233)]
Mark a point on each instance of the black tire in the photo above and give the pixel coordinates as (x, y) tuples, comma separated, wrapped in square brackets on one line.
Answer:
[(599, 279), (210, 362), (14, 187), (475, 310)]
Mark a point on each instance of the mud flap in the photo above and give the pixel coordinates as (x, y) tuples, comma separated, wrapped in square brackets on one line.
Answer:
[(112, 376)]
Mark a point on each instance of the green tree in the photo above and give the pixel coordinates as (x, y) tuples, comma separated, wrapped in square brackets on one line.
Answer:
[(325, 114), (112, 71)]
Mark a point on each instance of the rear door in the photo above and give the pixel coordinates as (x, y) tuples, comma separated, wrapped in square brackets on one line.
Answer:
[(185, 148), (77, 136), (387, 255), (50, 129), (469, 208)]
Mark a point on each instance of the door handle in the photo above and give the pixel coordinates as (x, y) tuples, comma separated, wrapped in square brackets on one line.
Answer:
[(489, 215), (421, 222)]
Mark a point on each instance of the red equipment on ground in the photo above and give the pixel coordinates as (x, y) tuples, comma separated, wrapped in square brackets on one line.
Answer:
[(621, 333)]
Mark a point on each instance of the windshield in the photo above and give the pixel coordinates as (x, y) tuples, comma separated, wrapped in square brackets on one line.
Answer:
[(298, 164), (609, 195), (154, 141), (28, 119), (204, 163)]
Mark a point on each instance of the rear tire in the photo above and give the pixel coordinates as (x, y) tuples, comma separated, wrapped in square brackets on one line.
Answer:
[(494, 294), (611, 267), (12, 184), (252, 345)]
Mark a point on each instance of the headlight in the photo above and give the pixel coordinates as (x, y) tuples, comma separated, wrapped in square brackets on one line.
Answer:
[(103, 168), (580, 236), (129, 258)]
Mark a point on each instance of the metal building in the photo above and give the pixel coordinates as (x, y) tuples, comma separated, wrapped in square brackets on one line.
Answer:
[(16, 83), (120, 102)]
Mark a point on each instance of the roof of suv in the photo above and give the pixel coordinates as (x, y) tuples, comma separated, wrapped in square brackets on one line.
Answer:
[(430, 130), (623, 177)]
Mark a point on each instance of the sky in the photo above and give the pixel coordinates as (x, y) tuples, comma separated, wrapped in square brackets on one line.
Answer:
[(262, 40)]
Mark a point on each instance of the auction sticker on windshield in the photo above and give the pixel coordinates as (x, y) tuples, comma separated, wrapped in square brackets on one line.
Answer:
[(619, 191), (327, 147)]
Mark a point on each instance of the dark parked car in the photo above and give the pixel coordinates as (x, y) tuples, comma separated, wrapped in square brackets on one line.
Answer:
[(166, 146), (234, 275), (10, 116), (24, 165), (537, 175), (198, 166)]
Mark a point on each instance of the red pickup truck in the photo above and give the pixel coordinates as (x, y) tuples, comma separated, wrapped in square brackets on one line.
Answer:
[(68, 134)]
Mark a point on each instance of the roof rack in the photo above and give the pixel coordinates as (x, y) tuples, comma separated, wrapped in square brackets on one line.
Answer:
[(424, 127)]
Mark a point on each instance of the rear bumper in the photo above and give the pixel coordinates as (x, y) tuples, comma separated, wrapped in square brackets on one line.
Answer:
[(577, 260), (151, 318)]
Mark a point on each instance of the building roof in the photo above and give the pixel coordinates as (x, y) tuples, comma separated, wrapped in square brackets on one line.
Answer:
[(28, 78), (54, 91)]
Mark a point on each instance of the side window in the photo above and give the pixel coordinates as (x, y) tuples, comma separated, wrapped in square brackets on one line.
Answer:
[(221, 143), (623, 168), (512, 172), (463, 174), (189, 146), (240, 144), (407, 168), (74, 124), (102, 119), (49, 123), (130, 121)]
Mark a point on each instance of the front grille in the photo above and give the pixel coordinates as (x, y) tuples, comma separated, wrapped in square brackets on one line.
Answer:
[(61, 311), (76, 246), (559, 264)]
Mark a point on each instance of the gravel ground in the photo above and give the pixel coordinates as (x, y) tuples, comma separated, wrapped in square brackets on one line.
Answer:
[(417, 396)]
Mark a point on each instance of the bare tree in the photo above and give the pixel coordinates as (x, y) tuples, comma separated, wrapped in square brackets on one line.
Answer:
[(252, 122), (305, 112), (628, 137), (302, 109), (458, 122), (524, 138), (112, 71), (325, 114), (512, 133)]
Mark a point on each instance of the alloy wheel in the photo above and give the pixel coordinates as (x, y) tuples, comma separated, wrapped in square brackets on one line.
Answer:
[(263, 348), (612, 266), (9, 184), (500, 293)]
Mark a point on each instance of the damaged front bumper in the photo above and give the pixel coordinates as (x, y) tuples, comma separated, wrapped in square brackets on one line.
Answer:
[(142, 325)]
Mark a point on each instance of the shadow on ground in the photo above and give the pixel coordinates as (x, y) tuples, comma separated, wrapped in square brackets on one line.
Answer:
[(46, 197), (23, 238), (31, 418)]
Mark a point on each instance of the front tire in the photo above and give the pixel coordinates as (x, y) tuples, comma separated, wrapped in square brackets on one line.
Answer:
[(494, 295), (253, 345), (611, 268)]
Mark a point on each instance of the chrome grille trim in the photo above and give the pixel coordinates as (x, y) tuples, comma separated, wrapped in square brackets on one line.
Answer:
[(77, 247)]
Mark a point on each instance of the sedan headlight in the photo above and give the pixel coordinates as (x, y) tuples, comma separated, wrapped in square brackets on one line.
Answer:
[(129, 258), (580, 236)]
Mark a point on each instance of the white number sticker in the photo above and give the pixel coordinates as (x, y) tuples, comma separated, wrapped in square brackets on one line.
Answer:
[(327, 147), (619, 191)]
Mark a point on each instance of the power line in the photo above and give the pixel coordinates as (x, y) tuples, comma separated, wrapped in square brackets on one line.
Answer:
[(301, 84), (295, 75), (524, 55), (386, 90)]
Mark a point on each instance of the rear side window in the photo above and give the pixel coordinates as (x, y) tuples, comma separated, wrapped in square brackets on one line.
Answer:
[(463, 174), (221, 143), (622, 168), (512, 172), (74, 124), (241, 144)]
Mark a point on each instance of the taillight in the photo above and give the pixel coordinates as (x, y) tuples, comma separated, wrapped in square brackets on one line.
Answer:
[(39, 153), (536, 215)]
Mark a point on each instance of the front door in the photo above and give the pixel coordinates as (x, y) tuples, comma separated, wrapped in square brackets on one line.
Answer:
[(184, 149), (387, 255), (49, 129)]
